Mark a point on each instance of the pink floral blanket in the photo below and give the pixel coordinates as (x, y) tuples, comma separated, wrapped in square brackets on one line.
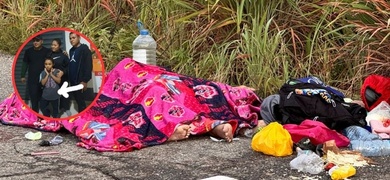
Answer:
[(141, 105)]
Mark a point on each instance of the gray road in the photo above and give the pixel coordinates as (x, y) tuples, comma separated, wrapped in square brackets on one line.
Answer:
[(196, 158)]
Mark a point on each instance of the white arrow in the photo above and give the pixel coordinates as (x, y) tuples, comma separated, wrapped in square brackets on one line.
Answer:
[(65, 89)]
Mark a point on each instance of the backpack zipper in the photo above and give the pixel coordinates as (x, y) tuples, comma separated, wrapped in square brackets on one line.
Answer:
[(289, 94), (333, 103)]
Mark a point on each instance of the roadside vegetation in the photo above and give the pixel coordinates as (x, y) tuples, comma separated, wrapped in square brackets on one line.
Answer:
[(257, 43)]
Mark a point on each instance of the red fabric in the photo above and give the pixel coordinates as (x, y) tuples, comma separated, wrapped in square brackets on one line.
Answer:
[(379, 84), (317, 132)]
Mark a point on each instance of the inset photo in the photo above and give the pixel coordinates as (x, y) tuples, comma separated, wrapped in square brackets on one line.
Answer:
[(58, 73)]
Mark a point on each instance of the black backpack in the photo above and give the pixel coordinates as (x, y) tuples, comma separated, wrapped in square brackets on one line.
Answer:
[(300, 101)]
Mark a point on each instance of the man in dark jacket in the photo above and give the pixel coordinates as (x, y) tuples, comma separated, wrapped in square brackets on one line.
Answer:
[(33, 61), (79, 69)]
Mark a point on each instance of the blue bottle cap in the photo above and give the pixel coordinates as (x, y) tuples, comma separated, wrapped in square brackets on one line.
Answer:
[(144, 32)]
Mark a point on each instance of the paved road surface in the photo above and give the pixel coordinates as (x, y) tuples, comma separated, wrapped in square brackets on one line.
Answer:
[(196, 158)]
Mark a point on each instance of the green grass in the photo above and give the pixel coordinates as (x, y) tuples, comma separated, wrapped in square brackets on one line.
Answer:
[(254, 43)]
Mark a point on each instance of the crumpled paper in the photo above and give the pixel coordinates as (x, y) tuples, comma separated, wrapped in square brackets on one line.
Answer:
[(344, 157), (347, 157)]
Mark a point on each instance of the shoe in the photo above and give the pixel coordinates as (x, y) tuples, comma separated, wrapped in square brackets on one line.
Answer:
[(68, 113)]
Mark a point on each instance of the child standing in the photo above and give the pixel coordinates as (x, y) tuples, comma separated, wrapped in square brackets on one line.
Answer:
[(50, 79)]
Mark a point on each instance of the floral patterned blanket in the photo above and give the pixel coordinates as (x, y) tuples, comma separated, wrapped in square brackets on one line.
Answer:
[(141, 105)]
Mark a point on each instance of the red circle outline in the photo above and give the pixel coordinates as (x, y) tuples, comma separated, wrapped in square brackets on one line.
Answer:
[(93, 47)]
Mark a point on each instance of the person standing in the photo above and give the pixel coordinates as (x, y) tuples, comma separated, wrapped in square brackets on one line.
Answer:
[(33, 62), (79, 69), (50, 79), (61, 62)]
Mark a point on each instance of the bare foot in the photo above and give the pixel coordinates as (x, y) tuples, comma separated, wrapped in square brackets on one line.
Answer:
[(181, 132), (224, 131)]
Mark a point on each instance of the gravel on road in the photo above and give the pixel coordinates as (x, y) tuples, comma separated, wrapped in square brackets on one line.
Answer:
[(6, 87)]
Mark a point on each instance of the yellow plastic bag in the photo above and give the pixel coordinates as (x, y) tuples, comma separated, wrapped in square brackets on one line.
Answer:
[(273, 140)]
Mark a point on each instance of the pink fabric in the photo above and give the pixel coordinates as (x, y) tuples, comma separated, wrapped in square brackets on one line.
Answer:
[(141, 105), (13, 112), (241, 99), (381, 127), (317, 132), (134, 83)]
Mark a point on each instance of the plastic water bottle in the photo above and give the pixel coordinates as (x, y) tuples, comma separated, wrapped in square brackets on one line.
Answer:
[(367, 143), (144, 47), (371, 148), (307, 161)]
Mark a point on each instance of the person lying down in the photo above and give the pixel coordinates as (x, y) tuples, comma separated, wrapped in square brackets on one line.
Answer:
[(143, 105)]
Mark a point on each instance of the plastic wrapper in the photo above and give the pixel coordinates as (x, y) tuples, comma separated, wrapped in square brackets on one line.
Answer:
[(379, 120), (307, 161), (382, 111), (273, 140)]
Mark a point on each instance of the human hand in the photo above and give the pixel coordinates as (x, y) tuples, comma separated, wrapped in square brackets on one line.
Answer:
[(60, 74), (23, 80), (66, 53), (52, 73), (84, 86)]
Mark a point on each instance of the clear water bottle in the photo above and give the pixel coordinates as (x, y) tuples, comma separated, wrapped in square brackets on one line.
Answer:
[(367, 143), (144, 48)]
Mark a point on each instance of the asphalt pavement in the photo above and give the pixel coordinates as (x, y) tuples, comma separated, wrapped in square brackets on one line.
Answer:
[(195, 158)]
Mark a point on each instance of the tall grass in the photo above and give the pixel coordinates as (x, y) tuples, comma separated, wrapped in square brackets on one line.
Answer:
[(17, 19), (373, 26), (268, 65), (256, 43)]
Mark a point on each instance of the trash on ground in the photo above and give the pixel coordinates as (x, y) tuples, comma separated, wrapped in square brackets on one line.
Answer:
[(273, 140), (307, 161), (55, 141), (44, 153), (379, 120), (220, 178), (221, 140), (330, 146), (367, 143), (341, 172), (306, 144), (33, 136), (347, 157)]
